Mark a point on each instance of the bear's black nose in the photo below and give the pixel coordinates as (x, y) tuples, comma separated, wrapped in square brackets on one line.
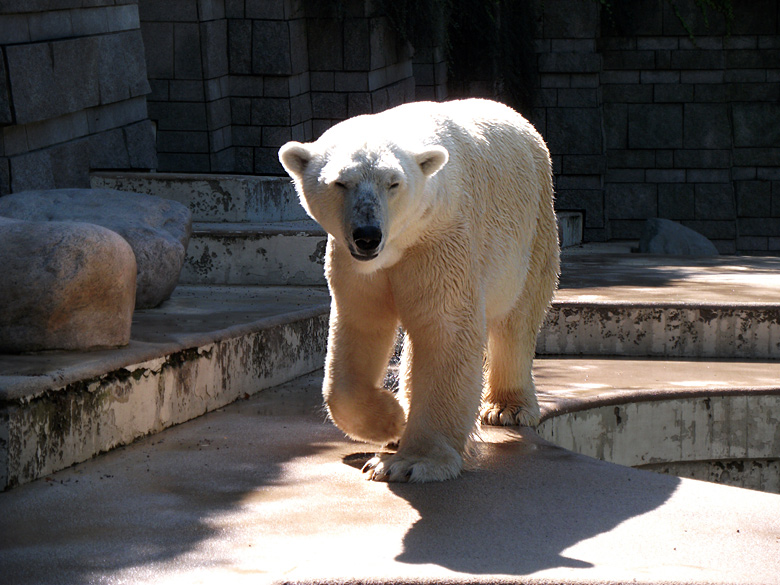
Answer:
[(367, 238)]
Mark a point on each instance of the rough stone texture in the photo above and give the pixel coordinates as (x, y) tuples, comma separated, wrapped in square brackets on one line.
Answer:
[(273, 72), (656, 111), (72, 92), (683, 123), (66, 285), (157, 229), (662, 236)]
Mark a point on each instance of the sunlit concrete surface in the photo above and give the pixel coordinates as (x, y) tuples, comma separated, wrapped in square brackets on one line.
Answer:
[(266, 491), (610, 272)]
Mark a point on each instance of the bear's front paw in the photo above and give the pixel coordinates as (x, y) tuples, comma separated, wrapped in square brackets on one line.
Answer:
[(509, 415), (397, 467)]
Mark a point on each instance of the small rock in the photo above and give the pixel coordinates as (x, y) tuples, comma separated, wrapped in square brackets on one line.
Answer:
[(157, 229), (65, 285), (663, 236)]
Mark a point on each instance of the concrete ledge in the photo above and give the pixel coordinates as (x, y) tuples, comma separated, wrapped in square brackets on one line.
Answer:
[(215, 198), (644, 305), (712, 420), (661, 330), (269, 253), (60, 408)]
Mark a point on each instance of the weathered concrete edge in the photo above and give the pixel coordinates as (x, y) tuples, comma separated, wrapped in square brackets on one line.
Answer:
[(76, 421), (17, 389), (258, 230), (552, 406), (711, 331), (638, 304)]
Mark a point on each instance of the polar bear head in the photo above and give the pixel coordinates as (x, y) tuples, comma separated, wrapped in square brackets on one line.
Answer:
[(369, 195)]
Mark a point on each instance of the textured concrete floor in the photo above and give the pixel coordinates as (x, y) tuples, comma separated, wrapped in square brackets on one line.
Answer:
[(608, 273), (266, 491)]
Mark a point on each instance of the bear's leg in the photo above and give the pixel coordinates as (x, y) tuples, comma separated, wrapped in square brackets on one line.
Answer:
[(442, 379), (363, 330), (510, 394)]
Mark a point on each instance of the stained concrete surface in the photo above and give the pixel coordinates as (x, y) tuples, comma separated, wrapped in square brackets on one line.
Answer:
[(195, 315), (266, 491), (599, 274)]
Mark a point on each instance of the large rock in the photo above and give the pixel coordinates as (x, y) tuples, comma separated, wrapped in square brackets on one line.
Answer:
[(663, 236), (65, 285), (157, 229)]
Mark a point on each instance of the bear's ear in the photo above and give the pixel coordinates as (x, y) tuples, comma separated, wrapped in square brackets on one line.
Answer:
[(432, 160), (294, 157)]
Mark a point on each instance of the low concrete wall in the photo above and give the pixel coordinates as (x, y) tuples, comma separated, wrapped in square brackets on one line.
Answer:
[(48, 430), (732, 438), (660, 330)]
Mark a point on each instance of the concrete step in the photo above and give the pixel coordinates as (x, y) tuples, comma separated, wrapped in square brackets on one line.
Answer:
[(276, 253), (618, 303), (200, 350), (267, 491), (215, 198), (211, 344), (253, 199), (271, 253), (253, 230)]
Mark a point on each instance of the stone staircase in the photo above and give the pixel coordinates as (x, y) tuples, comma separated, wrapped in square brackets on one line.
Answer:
[(250, 312), (246, 230)]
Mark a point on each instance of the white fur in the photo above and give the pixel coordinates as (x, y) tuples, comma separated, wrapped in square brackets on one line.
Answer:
[(467, 264)]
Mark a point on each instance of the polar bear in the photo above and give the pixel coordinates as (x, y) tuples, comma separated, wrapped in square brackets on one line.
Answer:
[(439, 217)]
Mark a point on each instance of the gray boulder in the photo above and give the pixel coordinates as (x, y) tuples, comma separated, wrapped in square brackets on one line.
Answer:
[(65, 285), (663, 236), (157, 229)]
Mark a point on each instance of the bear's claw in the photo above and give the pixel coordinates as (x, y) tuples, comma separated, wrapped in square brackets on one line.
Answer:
[(392, 467), (503, 415)]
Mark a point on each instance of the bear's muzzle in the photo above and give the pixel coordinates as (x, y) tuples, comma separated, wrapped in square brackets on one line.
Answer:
[(366, 242)]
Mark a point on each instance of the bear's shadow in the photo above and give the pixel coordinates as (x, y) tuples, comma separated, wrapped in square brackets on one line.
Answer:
[(524, 503)]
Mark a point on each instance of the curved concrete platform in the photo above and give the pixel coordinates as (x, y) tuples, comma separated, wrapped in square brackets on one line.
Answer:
[(266, 491), (712, 420)]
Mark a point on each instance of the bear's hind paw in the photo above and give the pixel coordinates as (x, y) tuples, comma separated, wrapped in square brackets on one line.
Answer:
[(503, 415), (393, 467)]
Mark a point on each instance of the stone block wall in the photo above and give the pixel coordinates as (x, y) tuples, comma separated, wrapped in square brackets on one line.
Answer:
[(645, 122), (568, 108), (642, 120), (233, 80), (187, 63), (73, 91)]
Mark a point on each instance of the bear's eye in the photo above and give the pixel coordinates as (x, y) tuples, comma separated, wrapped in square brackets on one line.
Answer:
[(394, 185), (340, 185)]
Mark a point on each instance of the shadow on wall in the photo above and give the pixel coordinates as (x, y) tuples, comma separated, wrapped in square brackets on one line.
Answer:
[(525, 504)]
